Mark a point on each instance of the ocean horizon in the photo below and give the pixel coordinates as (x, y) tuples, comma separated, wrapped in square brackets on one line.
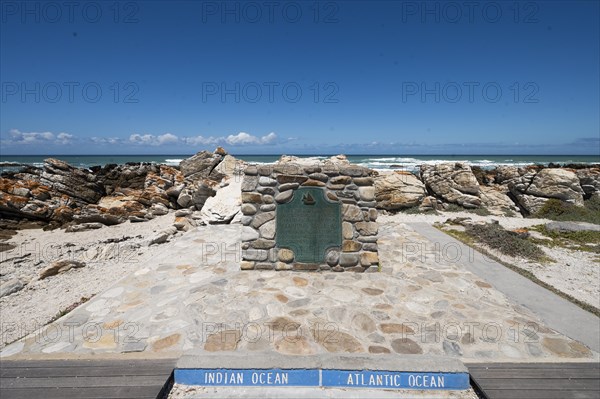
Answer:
[(373, 161)]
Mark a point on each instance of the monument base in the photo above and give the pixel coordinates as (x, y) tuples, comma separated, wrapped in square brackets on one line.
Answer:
[(275, 375)]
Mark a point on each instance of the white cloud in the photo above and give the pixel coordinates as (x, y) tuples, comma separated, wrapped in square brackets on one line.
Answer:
[(241, 138), (142, 139), (269, 138), (200, 140), (245, 138), (167, 138), (106, 140), (25, 138), (150, 139), (64, 138), (16, 137)]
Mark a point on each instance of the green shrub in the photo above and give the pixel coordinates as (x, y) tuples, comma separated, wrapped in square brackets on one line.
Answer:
[(454, 208), (581, 240), (507, 242), (556, 209), (416, 211), (480, 211)]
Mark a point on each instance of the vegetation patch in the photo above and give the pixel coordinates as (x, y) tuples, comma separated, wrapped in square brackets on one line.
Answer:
[(507, 242), (416, 211), (577, 240), (481, 211), (556, 209), (509, 212)]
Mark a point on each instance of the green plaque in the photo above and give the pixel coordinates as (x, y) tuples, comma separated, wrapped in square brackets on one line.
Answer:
[(309, 224)]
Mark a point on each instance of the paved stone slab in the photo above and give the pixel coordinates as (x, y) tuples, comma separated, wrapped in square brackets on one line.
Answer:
[(194, 297)]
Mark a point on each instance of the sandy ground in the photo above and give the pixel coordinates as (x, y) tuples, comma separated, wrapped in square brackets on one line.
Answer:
[(106, 262)]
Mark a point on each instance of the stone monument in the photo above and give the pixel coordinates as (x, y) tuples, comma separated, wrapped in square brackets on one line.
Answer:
[(317, 217)]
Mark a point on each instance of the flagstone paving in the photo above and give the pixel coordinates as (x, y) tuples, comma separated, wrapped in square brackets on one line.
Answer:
[(194, 296)]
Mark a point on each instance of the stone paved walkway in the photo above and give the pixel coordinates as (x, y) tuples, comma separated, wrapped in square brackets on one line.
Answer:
[(194, 296)]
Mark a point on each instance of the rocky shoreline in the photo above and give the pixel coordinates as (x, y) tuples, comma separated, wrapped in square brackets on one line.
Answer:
[(60, 195)]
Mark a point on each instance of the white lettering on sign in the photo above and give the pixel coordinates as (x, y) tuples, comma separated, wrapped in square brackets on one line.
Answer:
[(379, 380), (223, 377), (426, 381), (269, 378)]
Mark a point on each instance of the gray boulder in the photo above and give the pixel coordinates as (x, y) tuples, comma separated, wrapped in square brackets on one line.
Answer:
[(222, 207), (10, 287), (59, 266), (203, 165), (557, 183), (453, 182), (589, 180), (79, 184), (572, 226), (532, 189), (398, 190)]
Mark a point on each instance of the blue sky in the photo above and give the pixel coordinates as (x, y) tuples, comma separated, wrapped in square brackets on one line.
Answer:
[(357, 77)]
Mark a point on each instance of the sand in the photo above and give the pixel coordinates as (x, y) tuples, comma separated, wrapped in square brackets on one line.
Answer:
[(106, 262)]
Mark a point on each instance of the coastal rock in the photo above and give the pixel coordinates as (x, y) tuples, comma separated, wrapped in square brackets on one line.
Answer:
[(203, 165), (184, 223), (78, 184), (59, 266), (145, 183), (10, 287), (173, 192), (557, 183), (185, 198), (398, 190), (83, 227), (506, 173), (571, 226), (589, 180), (111, 194), (163, 236), (429, 204), (159, 209), (529, 203), (196, 194), (532, 188), (26, 199), (497, 201), (201, 192), (453, 182), (131, 175), (98, 214), (226, 203)]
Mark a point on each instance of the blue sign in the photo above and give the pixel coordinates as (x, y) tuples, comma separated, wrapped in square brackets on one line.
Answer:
[(322, 378), (248, 377), (394, 380)]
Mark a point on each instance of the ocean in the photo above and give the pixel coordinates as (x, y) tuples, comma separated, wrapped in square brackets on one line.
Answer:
[(378, 162)]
